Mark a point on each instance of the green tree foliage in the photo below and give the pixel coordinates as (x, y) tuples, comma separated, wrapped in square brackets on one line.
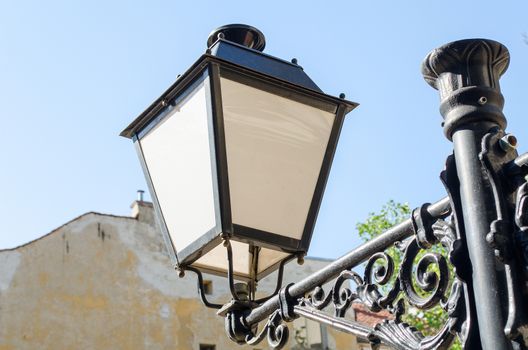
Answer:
[(391, 214), (429, 321)]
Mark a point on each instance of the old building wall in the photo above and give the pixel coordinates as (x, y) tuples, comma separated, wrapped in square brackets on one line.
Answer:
[(105, 282)]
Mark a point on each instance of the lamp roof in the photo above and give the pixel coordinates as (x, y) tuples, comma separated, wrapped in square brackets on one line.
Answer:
[(228, 52)]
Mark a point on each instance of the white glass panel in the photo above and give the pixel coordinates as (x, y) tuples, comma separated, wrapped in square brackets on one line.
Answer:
[(268, 257), (275, 148), (180, 160), (216, 259)]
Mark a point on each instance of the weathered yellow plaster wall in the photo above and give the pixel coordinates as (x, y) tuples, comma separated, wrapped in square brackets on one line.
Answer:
[(105, 282)]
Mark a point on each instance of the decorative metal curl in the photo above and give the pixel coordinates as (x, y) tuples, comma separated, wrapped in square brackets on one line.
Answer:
[(319, 299), (274, 330), (428, 281), (380, 275), (278, 333), (342, 297)]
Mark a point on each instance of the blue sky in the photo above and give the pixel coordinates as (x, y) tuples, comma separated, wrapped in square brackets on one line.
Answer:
[(74, 74)]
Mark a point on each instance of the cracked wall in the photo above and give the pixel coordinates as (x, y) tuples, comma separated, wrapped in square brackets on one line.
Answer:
[(105, 282)]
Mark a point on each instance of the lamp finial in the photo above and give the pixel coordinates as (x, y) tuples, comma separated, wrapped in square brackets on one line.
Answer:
[(241, 34)]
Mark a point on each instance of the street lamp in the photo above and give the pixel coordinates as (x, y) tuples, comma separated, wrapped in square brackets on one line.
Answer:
[(238, 151)]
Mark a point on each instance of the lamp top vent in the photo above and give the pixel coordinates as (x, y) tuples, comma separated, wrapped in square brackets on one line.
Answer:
[(241, 34)]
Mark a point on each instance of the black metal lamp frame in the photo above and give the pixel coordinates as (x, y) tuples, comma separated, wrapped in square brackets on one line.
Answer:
[(227, 59), (482, 224)]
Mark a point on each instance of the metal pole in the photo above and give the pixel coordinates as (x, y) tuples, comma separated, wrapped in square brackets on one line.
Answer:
[(466, 73)]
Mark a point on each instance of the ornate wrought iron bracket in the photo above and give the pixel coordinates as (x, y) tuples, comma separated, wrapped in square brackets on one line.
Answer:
[(380, 271), (466, 254)]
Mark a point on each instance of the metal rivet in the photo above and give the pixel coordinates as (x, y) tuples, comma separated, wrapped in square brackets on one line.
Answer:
[(164, 103), (221, 36), (508, 142), (300, 259), (483, 100)]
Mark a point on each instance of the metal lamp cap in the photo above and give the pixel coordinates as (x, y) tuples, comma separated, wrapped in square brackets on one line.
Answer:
[(241, 34)]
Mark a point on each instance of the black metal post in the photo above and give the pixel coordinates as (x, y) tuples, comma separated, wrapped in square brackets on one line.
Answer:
[(466, 73)]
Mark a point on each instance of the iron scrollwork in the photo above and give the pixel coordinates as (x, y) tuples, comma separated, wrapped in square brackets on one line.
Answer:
[(421, 280), (386, 286), (275, 329)]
